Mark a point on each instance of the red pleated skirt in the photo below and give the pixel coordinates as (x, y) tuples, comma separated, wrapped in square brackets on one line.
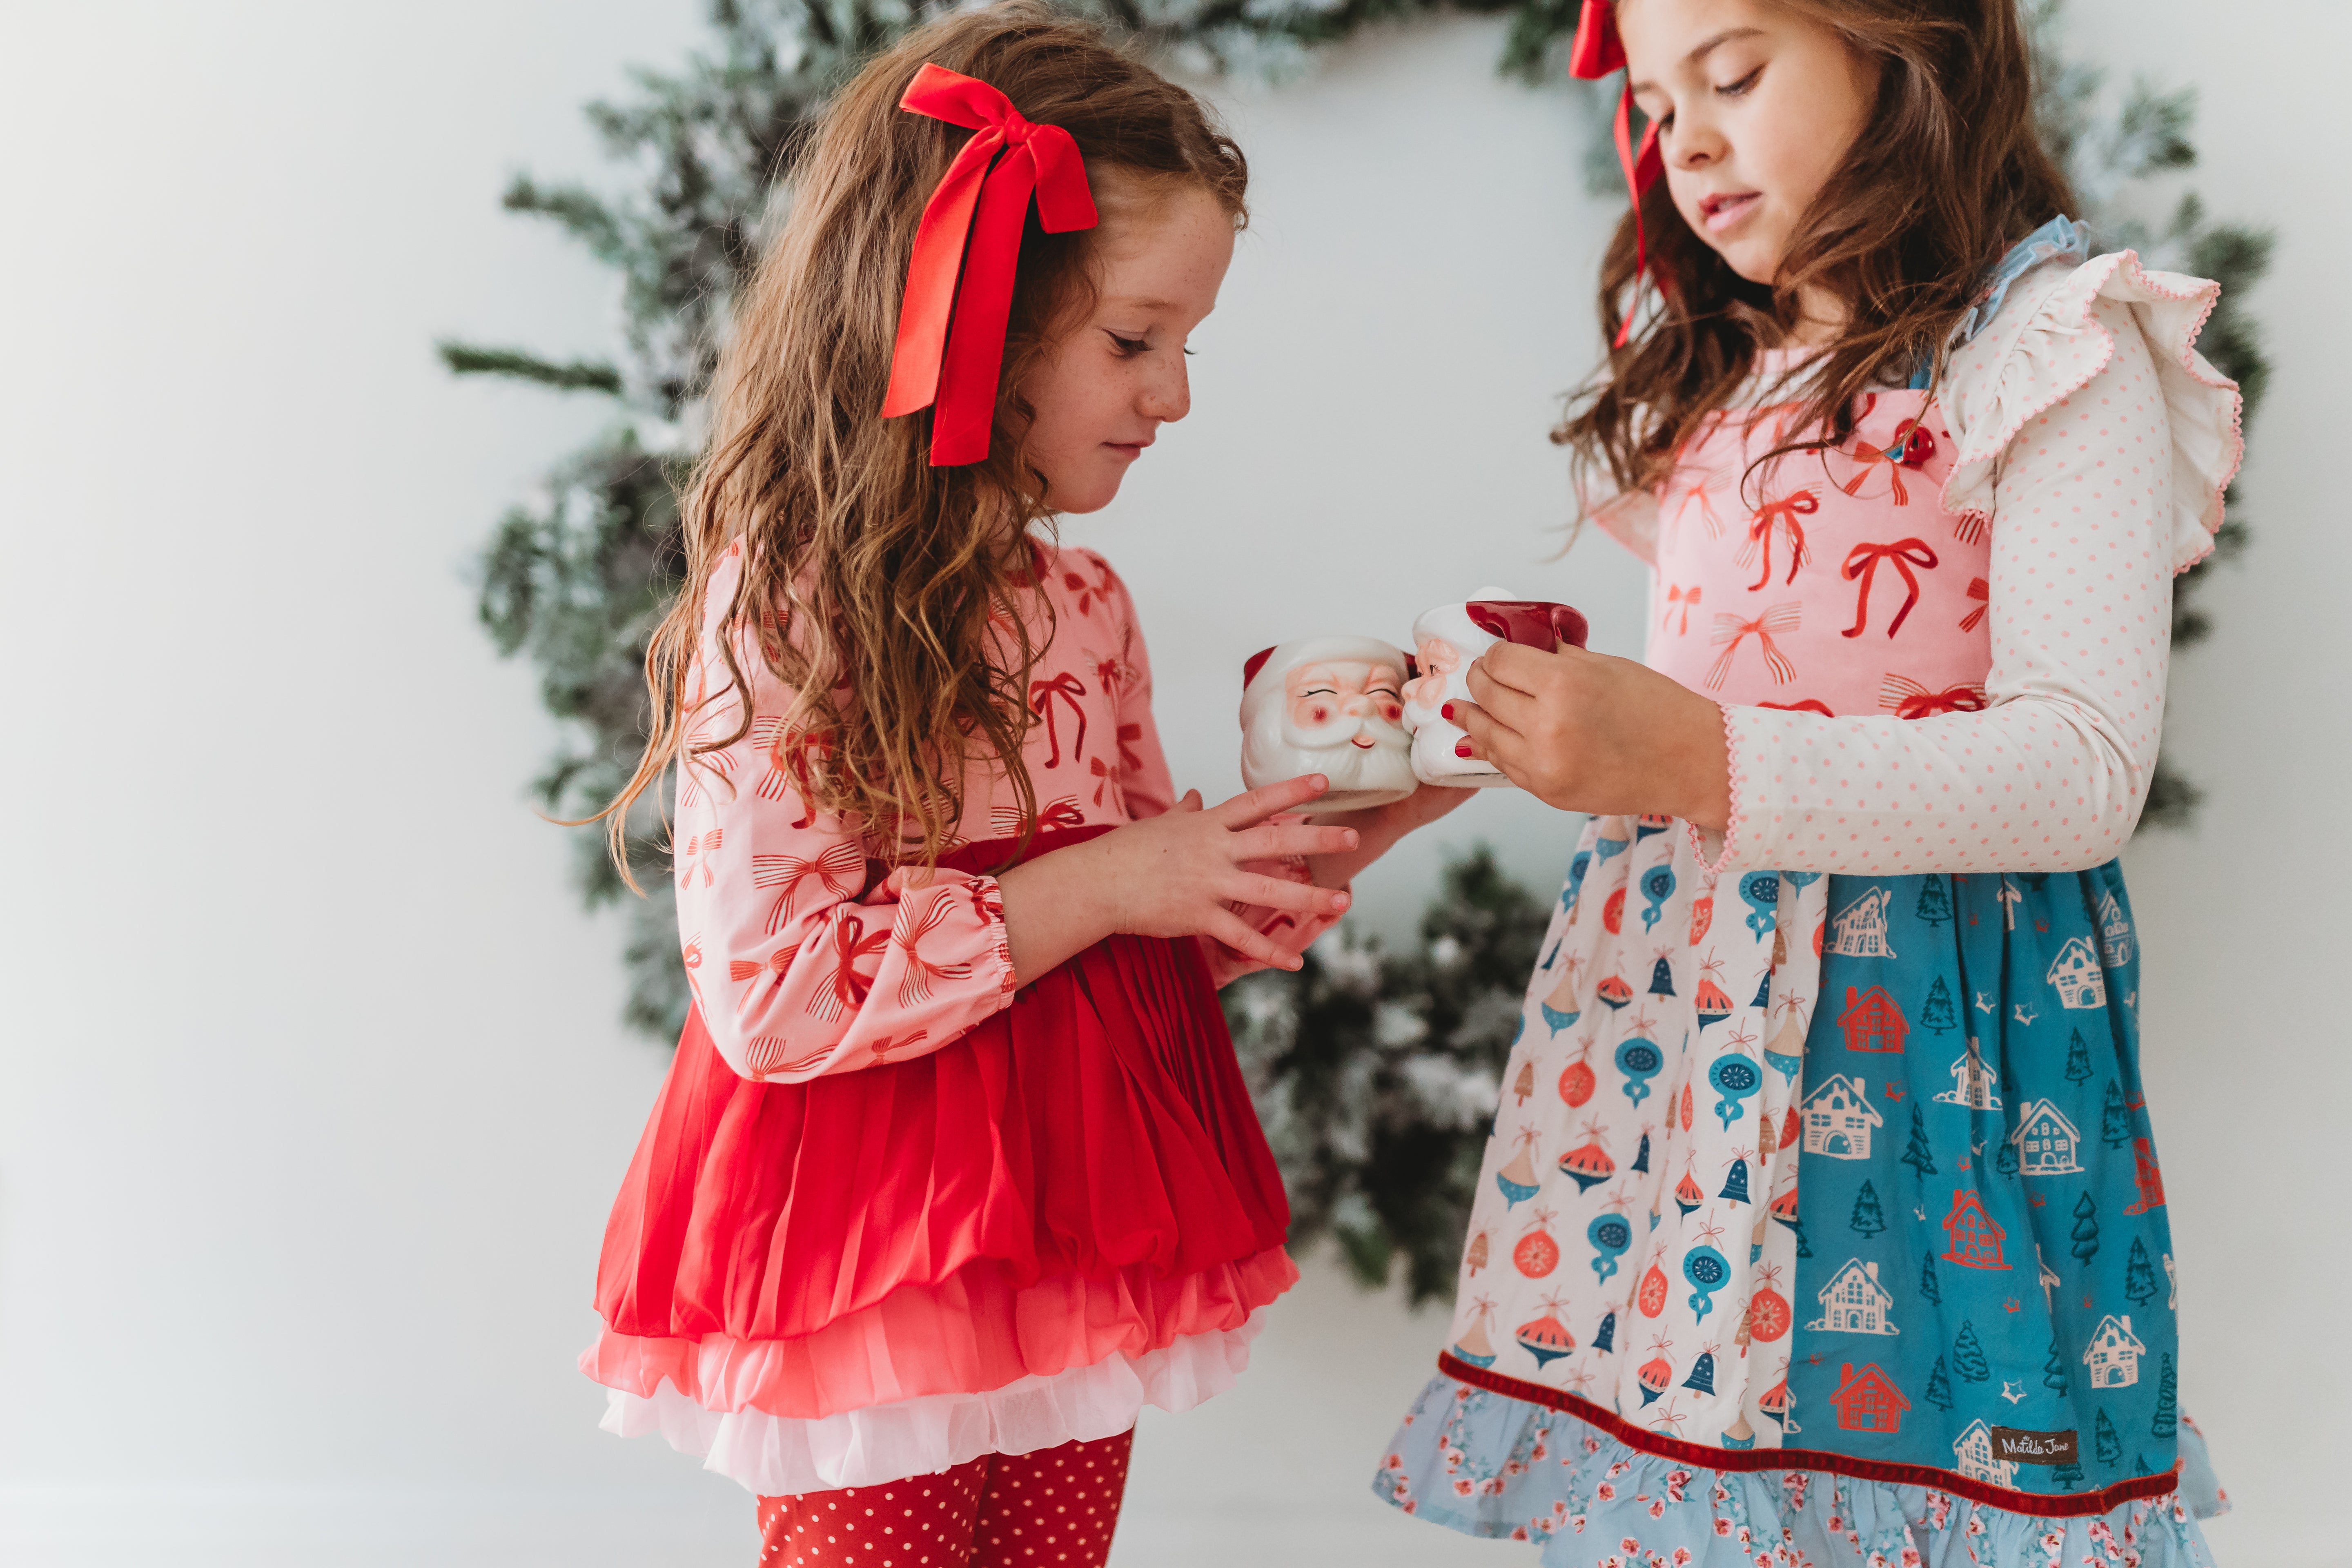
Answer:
[(1082, 1172)]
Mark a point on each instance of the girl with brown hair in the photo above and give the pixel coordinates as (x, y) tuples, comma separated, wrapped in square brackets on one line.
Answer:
[(954, 1170), (1837, 1233)]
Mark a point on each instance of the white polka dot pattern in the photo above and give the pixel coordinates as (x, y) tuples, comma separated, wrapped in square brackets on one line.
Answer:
[(1057, 1506), (2051, 776)]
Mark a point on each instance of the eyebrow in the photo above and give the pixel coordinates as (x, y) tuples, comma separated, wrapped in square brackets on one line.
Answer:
[(1707, 47), (1133, 303)]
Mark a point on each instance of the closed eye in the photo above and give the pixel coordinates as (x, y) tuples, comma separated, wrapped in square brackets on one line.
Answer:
[(1320, 691), (1744, 84), (1127, 346)]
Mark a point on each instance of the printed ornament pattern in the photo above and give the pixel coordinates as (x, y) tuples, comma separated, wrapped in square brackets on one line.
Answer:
[(1634, 1185)]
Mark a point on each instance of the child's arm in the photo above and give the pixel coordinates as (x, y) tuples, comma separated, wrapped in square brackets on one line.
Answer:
[(2051, 777)]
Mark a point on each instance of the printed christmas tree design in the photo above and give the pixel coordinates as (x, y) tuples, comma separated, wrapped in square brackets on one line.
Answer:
[(2068, 1475), (2078, 1059), (2107, 1445), (1928, 1287), (1868, 1219), (1939, 1387), (1916, 1153), (2115, 1118), (2086, 1234), (2167, 1422), (2140, 1275), (1936, 1012), (1935, 906), (1968, 1355), (2054, 1371)]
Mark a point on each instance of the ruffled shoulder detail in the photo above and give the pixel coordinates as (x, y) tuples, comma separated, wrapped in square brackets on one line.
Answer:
[(1628, 517), (2044, 342)]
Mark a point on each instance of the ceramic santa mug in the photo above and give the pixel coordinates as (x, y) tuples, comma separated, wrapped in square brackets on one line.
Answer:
[(1446, 640), (1333, 706)]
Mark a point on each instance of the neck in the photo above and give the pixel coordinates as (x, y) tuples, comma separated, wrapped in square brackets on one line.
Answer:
[(1821, 315)]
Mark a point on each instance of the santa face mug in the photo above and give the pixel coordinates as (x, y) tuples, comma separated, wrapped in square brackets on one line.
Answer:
[(1446, 641), (1332, 706)]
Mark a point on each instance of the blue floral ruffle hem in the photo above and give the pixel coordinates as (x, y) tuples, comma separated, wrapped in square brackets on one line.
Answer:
[(1488, 1465)]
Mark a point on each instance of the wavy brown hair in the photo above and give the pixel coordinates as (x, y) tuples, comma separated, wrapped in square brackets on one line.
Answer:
[(895, 599), (1948, 174)]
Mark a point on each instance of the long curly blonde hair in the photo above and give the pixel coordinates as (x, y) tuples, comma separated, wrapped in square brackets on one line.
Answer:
[(894, 598)]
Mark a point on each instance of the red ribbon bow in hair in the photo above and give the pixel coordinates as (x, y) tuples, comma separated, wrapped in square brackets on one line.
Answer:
[(1863, 562), (1597, 50), (951, 347)]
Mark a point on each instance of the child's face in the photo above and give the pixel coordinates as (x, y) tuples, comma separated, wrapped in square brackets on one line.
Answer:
[(1755, 107), (1109, 382)]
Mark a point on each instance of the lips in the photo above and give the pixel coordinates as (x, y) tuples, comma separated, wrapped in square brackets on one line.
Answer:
[(1720, 212), (1364, 741)]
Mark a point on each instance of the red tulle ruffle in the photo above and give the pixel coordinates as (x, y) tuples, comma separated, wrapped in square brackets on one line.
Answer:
[(1082, 1172)]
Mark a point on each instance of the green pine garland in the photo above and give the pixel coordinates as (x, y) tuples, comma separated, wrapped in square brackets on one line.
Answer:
[(1377, 1073)]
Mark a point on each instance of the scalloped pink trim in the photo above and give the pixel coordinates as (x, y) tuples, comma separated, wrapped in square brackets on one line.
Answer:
[(2127, 262), (1737, 788)]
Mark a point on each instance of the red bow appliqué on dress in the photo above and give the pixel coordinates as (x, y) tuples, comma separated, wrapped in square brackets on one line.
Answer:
[(951, 347)]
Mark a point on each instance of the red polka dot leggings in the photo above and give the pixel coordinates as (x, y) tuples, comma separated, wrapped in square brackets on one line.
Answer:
[(1053, 1508)]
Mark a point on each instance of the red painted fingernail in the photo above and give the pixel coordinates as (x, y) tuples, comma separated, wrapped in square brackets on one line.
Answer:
[(1460, 748), (1446, 712)]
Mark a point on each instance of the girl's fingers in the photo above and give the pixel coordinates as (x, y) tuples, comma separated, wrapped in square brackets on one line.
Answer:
[(1516, 669), (1243, 938), (1256, 807), (1275, 893), (1191, 802), (1502, 701), (1271, 841)]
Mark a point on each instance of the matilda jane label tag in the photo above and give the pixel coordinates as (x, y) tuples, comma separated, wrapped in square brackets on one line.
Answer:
[(2010, 1445)]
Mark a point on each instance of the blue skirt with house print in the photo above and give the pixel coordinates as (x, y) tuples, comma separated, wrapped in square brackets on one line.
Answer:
[(1823, 1221)]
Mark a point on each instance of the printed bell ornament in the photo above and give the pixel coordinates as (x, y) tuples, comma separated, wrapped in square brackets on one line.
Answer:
[(1702, 1371)]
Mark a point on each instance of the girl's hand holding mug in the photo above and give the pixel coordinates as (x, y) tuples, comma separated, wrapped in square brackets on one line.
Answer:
[(1175, 875), (1584, 732)]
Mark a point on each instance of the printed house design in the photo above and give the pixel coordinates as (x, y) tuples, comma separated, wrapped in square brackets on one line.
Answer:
[(2114, 1355), (1971, 1081), (1838, 1119), (2046, 1141), (1861, 927), (1854, 1302), (2076, 973), (2115, 932), (1976, 1237), (1868, 1401), (1871, 1021), (1974, 1451)]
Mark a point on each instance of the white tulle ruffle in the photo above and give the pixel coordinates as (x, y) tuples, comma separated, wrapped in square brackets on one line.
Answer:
[(776, 1455)]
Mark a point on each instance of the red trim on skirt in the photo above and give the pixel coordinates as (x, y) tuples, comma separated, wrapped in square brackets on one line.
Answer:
[(2035, 1505)]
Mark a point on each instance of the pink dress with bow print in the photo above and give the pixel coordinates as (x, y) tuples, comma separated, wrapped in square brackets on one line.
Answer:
[(890, 1212)]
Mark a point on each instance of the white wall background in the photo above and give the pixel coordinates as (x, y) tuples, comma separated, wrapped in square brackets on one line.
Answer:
[(312, 1097)]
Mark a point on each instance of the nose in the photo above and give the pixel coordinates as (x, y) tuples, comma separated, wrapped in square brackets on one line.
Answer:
[(1167, 394), (1694, 141)]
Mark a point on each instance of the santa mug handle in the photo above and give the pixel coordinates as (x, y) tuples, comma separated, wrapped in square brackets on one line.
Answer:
[(1530, 623)]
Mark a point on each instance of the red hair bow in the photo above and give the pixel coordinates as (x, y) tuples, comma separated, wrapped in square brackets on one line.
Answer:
[(951, 347), (1597, 51)]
